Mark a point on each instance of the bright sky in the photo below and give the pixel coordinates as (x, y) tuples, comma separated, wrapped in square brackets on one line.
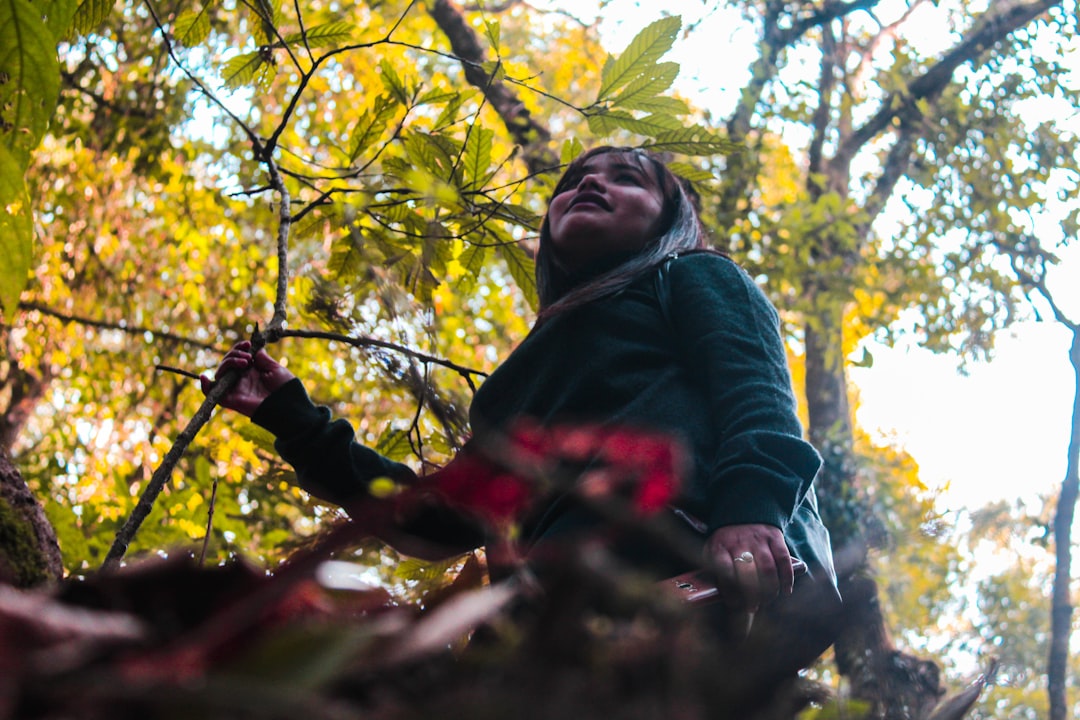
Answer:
[(999, 432)]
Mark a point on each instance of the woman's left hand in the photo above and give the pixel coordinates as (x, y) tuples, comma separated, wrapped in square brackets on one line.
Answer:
[(753, 562)]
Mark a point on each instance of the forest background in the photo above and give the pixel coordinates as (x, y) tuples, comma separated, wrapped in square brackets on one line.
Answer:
[(162, 166)]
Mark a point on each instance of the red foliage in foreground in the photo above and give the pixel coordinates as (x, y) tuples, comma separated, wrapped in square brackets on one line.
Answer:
[(167, 638)]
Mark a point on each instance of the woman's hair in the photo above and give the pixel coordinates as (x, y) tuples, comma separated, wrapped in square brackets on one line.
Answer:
[(680, 231)]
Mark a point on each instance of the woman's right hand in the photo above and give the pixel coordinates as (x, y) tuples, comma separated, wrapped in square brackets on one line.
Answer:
[(260, 376)]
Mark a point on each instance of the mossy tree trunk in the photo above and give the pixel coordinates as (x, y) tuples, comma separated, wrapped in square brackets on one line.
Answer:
[(29, 553)]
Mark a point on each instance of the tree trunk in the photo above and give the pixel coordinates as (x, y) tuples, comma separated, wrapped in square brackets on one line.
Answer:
[(29, 553), (898, 686), (1062, 611)]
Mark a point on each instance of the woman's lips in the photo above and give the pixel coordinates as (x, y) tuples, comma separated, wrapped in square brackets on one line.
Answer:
[(589, 198)]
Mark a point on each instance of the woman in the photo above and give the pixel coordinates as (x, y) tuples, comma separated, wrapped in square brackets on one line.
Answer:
[(639, 327)]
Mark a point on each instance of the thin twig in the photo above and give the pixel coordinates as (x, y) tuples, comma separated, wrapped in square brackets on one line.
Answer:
[(364, 342), (133, 330), (178, 371), (209, 522)]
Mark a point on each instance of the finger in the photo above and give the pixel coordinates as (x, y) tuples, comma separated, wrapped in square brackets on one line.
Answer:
[(785, 569), (265, 364), (767, 573), (205, 383), (233, 362), (748, 583), (719, 559)]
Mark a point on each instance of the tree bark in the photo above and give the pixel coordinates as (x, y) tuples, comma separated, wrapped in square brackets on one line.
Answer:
[(29, 552), (532, 135), (1061, 609)]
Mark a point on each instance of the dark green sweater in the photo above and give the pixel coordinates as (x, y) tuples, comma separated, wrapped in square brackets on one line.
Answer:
[(711, 370)]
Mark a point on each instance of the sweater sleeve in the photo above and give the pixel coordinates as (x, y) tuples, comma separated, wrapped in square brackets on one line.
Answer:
[(329, 463), (762, 467), (332, 466)]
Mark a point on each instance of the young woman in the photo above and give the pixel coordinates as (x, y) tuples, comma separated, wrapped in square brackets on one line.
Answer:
[(639, 327)]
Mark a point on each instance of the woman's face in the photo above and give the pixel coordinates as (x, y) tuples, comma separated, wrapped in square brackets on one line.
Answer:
[(610, 205)]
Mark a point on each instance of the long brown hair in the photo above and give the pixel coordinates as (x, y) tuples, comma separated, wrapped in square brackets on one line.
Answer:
[(681, 231)]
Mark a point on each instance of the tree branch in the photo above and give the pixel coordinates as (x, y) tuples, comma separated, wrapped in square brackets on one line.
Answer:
[(366, 342), (991, 30), (524, 129), (134, 330)]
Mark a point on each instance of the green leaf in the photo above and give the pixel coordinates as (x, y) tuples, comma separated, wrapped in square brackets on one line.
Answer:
[(449, 115), (523, 270), (570, 150), (191, 28), (59, 15), (371, 125), (640, 55), (16, 234), (690, 172), (332, 34), (268, 13), (90, 14), (346, 260), (473, 259), (648, 86), (692, 141), (247, 69), (257, 435), (29, 79), (664, 105), (651, 125), (394, 444), (477, 159), (393, 82), (493, 31)]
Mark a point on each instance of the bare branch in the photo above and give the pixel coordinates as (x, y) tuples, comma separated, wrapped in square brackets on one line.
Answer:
[(365, 342), (990, 30), (133, 330)]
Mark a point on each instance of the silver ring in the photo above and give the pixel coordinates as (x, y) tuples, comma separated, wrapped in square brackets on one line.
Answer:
[(746, 557)]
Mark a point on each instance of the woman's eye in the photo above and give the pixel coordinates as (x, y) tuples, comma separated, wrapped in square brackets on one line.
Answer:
[(628, 177)]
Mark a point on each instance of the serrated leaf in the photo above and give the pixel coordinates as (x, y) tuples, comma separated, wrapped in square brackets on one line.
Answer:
[(523, 270), (394, 444), (267, 16), (477, 158), (640, 55), (247, 69), (473, 259), (449, 114), (371, 125), (191, 27), (29, 79), (690, 172), (59, 16), (692, 141), (646, 87), (432, 153), (570, 150), (651, 125), (662, 105), (346, 260), (90, 14), (436, 96), (16, 234), (393, 81), (331, 34)]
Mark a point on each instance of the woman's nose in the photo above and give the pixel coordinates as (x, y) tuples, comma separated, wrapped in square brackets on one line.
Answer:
[(594, 181)]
